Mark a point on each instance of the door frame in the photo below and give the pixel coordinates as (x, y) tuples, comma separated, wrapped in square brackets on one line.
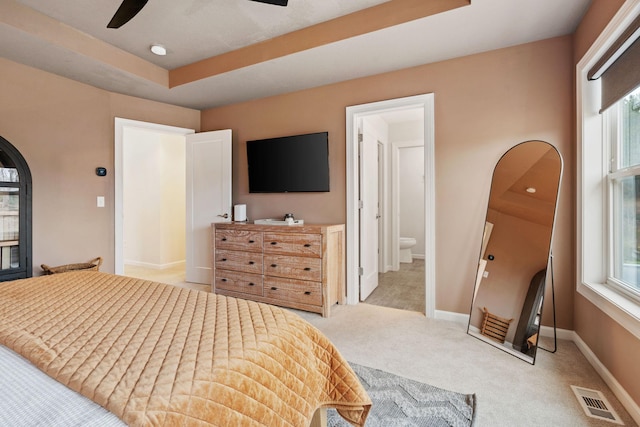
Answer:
[(119, 126), (353, 114)]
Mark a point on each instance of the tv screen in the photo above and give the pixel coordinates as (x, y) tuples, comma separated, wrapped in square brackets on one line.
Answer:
[(298, 163)]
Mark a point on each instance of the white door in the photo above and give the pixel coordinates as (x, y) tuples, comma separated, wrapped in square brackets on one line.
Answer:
[(382, 243), (369, 212), (208, 197)]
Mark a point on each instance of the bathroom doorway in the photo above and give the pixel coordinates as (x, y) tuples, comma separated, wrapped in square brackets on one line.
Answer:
[(401, 280), (404, 128)]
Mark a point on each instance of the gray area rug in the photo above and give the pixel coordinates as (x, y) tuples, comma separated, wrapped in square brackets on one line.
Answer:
[(401, 402)]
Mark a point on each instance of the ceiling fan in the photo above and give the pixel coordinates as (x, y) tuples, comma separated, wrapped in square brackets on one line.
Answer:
[(130, 8)]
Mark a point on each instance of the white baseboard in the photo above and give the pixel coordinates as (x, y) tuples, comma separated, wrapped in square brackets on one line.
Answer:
[(561, 334), (387, 268), (451, 316), (154, 266), (632, 407), (545, 331), (564, 334)]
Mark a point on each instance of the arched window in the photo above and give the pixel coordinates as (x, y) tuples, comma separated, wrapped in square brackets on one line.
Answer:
[(15, 214)]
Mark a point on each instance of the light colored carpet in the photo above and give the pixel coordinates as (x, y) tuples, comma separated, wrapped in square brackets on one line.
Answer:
[(509, 392)]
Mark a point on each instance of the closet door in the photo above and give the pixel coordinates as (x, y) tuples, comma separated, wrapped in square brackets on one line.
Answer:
[(15, 214)]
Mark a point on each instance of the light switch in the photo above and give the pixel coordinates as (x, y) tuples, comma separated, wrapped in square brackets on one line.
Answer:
[(100, 201)]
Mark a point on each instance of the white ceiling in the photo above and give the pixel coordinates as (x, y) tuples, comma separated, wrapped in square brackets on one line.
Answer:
[(196, 29)]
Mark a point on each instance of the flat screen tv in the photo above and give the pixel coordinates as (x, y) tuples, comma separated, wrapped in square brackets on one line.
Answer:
[(298, 163)]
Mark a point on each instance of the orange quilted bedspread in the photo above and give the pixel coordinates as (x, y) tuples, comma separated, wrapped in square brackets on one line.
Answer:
[(159, 355)]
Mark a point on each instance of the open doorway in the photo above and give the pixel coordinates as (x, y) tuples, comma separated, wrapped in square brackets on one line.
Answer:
[(150, 201), (401, 194), (370, 124)]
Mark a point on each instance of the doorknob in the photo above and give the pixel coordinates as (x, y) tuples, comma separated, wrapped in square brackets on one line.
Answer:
[(225, 216)]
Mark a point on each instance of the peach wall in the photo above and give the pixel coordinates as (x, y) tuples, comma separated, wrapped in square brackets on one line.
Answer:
[(612, 344), (484, 104), (597, 17), (64, 130)]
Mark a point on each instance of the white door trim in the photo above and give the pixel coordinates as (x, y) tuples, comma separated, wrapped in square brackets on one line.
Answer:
[(353, 113), (120, 125)]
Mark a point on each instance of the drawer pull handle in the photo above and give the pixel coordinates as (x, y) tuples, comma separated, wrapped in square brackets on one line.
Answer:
[(252, 241), (307, 245), (224, 239), (251, 284), (273, 288), (224, 259), (274, 243), (307, 293), (274, 265), (224, 280), (307, 269), (251, 262)]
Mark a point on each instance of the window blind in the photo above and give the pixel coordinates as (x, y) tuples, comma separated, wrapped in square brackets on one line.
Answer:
[(619, 67)]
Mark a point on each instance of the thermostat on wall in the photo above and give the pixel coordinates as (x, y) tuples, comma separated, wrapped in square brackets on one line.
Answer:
[(101, 171)]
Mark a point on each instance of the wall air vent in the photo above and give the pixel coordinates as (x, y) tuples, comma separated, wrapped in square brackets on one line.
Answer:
[(595, 405)]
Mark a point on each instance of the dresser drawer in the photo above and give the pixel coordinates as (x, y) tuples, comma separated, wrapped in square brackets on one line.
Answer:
[(293, 244), (239, 240), (299, 267), (290, 290), (239, 282), (303, 268), (249, 262)]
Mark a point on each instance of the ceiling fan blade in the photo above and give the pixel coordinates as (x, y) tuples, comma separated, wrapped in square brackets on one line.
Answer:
[(127, 10), (274, 2)]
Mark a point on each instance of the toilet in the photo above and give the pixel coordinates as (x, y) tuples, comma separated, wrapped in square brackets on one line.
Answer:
[(406, 243)]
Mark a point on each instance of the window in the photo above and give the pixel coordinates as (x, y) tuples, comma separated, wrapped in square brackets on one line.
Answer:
[(624, 194), (608, 166)]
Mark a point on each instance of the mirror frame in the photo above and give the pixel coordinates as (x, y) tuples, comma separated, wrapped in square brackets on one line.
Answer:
[(548, 269)]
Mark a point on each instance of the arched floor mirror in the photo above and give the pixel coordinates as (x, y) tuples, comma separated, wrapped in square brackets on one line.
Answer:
[(514, 259)]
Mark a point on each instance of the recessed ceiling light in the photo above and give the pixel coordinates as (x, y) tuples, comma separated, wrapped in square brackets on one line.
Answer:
[(158, 49), (531, 190)]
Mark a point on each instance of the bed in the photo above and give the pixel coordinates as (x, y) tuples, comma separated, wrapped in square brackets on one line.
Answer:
[(155, 354)]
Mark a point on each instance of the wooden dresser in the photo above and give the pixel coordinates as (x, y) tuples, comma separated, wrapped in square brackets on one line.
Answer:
[(297, 266)]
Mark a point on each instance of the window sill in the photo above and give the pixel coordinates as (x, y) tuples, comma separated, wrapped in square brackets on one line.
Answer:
[(621, 309)]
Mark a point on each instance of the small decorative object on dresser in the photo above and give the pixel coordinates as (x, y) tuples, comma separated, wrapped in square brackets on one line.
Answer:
[(300, 267)]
